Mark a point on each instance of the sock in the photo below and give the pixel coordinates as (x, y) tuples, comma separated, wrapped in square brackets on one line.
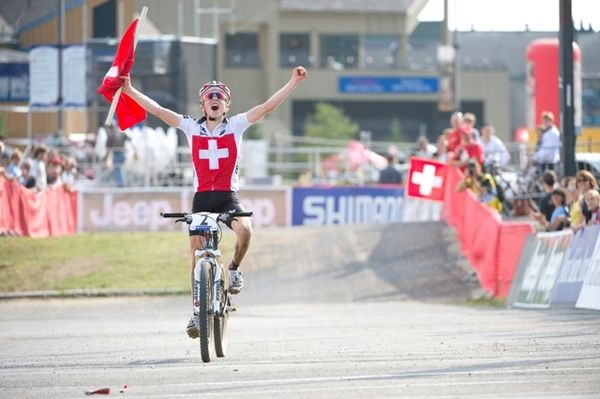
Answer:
[(233, 266)]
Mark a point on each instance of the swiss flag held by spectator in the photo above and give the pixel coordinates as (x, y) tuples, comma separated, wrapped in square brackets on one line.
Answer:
[(426, 179), (128, 111)]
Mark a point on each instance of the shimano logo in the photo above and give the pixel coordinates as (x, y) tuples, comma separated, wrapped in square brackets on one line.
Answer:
[(327, 210)]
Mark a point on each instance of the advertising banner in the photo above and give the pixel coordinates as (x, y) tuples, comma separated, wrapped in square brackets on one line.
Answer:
[(589, 297), (525, 258), (138, 209), (542, 270), (346, 205), (575, 267)]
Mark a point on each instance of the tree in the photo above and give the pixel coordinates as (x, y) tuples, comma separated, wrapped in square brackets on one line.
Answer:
[(396, 133), (330, 122)]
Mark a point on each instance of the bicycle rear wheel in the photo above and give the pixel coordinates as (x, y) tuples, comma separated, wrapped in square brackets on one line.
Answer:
[(222, 320), (206, 317)]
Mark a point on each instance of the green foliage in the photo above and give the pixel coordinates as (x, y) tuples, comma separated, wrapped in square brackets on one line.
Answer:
[(396, 133), (254, 132), (330, 122)]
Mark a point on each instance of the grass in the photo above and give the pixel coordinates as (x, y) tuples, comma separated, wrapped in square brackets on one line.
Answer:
[(132, 260)]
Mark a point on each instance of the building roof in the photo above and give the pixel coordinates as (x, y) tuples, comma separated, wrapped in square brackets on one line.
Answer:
[(497, 50), (384, 6)]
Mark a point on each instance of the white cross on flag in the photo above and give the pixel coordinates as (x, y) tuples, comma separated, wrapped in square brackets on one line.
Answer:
[(426, 179)]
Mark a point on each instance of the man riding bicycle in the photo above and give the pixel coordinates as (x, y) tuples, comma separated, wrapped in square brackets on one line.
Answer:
[(215, 145)]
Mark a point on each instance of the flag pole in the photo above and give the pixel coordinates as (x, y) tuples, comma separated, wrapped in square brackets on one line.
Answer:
[(113, 105)]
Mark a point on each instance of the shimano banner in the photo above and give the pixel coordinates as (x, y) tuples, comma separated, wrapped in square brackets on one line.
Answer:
[(346, 205)]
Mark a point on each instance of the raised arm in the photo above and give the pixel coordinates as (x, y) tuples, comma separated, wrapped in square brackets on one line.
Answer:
[(258, 112), (171, 118)]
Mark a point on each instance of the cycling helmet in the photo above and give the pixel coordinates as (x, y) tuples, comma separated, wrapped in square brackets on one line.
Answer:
[(214, 86)]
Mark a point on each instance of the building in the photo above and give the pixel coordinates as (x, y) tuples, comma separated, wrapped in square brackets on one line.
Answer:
[(370, 57)]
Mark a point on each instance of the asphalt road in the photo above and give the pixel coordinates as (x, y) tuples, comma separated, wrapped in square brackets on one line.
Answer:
[(363, 349)]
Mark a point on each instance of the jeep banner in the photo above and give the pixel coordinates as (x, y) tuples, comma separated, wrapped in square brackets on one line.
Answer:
[(138, 209)]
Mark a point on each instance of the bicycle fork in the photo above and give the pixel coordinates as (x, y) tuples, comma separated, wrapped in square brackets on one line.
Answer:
[(217, 284)]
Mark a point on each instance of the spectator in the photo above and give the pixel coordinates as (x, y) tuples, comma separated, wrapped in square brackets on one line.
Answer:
[(38, 167), (494, 150), (592, 200), (468, 126), (54, 169), (547, 154), (560, 215), (26, 179), (545, 204), (467, 150), (481, 184), (390, 175), (454, 134), (441, 152), (13, 170), (424, 148), (115, 145), (574, 198), (69, 174), (585, 182)]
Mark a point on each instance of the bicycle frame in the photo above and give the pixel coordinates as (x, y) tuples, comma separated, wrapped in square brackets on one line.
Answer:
[(207, 224)]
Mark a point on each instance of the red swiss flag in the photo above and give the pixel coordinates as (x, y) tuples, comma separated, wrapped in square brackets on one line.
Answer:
[(426, 179), (128, 111)]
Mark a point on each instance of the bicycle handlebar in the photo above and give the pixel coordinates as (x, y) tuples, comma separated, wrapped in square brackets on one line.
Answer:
[(186, 214)]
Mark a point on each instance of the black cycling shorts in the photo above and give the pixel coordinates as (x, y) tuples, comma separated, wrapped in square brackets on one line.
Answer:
[(217, 202)]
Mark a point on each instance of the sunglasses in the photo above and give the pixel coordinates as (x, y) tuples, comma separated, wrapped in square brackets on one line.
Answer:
[(581, 180), (215, 95)]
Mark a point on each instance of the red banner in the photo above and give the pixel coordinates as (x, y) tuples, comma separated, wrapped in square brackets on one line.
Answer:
[(493, 247), (51, 212)]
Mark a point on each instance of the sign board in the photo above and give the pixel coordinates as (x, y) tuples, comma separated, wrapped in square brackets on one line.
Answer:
[(346, 205), (388, 85), (589, 297), (138, 209), (575, 267), (542, 270)]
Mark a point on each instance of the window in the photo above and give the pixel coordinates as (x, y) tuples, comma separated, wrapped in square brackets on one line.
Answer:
[(104, 20), (381, 51), (241, 50), (339, 51), (294, 49)]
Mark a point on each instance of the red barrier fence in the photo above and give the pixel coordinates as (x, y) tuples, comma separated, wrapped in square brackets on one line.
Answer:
[(492, 246), (52, 212)]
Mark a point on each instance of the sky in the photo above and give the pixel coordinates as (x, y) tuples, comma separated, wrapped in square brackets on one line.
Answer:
[(510, 15)]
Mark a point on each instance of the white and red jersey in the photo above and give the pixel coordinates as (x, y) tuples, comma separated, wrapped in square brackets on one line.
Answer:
[(215, 155)]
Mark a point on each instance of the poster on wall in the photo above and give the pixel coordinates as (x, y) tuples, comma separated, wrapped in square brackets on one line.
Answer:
[(43, 75), (73, 76)]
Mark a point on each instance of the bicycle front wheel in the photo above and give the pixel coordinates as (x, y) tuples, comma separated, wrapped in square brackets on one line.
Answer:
[(222, 320), (206, 316)]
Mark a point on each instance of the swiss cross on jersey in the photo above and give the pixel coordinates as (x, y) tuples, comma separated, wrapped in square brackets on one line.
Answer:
[(426, 179), (215, 160)]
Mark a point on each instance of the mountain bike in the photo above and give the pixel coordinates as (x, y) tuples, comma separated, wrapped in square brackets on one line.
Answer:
[(212, 300)]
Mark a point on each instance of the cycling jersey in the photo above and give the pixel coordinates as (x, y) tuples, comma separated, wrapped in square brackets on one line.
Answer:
[(215, 155)]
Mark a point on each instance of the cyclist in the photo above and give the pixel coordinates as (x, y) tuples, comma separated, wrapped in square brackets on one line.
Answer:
[(215, 145)]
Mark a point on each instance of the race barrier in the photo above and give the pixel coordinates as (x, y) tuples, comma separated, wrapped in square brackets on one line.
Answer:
[(52, 212), (492, 246), (559, 269)]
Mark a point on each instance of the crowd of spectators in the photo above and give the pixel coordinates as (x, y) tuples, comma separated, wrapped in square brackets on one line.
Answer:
[(43, 167)]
